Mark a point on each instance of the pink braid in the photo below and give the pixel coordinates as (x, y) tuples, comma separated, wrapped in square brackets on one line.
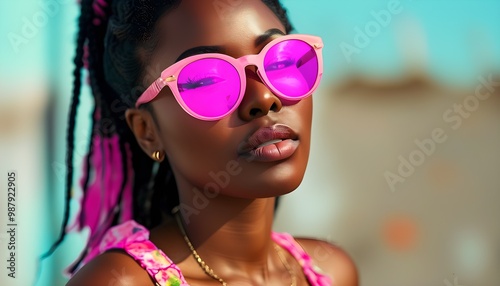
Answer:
[(100, 200), (104, 195), (99, 6)]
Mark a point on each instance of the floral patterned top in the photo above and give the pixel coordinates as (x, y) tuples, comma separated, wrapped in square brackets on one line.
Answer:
[(133, 238)]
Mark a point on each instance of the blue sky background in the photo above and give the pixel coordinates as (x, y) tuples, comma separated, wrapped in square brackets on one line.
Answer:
[(455, 33)]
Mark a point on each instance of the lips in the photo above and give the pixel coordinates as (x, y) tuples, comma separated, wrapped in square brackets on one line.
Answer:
[(267, 144)]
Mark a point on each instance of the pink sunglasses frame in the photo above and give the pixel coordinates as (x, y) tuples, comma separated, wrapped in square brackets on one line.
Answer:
[(170, 75)]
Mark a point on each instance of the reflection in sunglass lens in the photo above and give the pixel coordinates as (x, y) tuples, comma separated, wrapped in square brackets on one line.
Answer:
[(292, 67), (209, 87)]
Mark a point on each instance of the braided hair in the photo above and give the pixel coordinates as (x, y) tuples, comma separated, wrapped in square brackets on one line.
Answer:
[(119, 182)]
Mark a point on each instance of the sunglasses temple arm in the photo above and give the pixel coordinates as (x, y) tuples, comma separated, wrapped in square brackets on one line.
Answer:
[(151, 92)]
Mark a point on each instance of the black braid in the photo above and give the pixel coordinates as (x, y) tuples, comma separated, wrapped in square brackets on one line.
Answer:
[(99, 89), (83, 23)]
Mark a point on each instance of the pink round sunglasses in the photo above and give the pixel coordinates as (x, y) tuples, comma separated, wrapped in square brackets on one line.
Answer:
[(212, 85)]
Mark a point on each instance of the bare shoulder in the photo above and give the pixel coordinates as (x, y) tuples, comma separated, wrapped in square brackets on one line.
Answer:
[(332, 260), (114, 268)]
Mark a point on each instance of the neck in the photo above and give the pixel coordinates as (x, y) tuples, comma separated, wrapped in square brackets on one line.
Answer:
[(231, 230)]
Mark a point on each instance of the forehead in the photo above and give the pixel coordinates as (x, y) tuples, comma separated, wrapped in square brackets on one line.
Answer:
[(234, 24)]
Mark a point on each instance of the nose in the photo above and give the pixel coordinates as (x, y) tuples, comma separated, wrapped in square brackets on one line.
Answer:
[(258, 100)]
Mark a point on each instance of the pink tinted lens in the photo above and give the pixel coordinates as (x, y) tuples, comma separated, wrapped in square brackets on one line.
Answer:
[(292, 67), (209, 87)]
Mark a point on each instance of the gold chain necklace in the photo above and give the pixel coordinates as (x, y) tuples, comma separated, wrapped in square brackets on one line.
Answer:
[(210, 272)]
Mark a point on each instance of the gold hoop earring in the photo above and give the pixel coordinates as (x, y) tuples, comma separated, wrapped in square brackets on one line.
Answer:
[(157, 156)]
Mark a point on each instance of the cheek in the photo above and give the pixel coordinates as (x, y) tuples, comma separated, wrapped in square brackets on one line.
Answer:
[(300, 117), (304, 112), (194, 147)]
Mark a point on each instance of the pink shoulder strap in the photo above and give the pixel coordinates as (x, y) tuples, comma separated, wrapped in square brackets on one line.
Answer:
[(314, 274), (133, 238)]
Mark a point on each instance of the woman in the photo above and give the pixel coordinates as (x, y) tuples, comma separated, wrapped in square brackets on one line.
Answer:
[(195, 146)]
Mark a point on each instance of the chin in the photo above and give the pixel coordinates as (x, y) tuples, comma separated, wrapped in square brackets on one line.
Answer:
[(276, 181), (269, 179)]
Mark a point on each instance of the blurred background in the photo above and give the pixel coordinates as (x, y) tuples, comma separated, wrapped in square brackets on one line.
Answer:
[(404, 171)]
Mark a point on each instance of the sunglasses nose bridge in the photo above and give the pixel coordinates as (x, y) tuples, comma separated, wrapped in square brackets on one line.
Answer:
[(250, 60)]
